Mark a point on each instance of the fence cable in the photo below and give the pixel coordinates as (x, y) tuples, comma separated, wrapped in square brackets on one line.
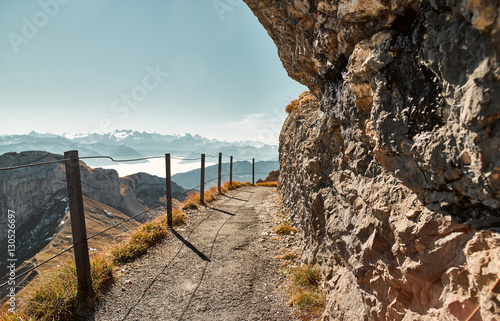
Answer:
[(112, 159), (120, 160), (37, 266), (126, 220), (137, 159), (33, 165), (145, 211), (97, 234), (119, 223)]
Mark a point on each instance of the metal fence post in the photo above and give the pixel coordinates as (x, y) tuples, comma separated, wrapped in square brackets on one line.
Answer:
[(169, 190), (231, 172), (78, 229), (253, 171), (202, 183), (220, 172)]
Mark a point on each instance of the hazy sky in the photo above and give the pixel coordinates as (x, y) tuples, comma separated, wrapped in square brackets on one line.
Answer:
[(169, 66)]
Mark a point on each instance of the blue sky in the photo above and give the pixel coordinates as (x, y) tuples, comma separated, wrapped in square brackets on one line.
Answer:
[(169, 66)]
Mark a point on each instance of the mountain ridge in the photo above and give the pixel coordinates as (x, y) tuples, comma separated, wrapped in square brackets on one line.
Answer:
[(128, 144)]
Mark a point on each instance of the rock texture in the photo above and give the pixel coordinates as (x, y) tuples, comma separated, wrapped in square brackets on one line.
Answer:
[(271, 177), (392, 166), (143, 190)]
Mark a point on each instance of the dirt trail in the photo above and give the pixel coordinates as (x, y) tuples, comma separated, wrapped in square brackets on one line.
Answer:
[(218, 267)]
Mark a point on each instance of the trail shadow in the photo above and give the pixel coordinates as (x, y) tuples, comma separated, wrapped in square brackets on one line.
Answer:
[(222, 211), (234, 198), (190, 246)]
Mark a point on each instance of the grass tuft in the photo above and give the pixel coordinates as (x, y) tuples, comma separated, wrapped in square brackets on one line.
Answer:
[(307, 276), (285, 228), (287, 256), (192, 202), (55, 296), (5, 315), (300, 102), (292, 106), (305, 292), (190, 206), (312, 302), (144, 237)]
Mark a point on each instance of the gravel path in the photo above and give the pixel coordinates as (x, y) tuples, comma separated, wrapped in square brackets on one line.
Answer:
[(219, 266)]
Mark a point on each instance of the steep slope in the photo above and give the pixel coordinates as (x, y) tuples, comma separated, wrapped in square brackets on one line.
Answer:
[(392, 170)]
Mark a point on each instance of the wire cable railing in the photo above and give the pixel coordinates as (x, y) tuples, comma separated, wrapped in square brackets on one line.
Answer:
[(96, 157), (102, 232), (121, 160), (37, 266), (32, 165), (113, 160), (170, 198)]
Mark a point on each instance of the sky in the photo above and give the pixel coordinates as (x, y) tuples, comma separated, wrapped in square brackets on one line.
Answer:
[(203, 67)]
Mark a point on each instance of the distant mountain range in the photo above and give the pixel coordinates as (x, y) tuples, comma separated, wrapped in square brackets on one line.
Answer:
[(125, 144)]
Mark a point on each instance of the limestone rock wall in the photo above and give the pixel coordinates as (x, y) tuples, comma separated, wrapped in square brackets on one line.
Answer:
[(392, 167)]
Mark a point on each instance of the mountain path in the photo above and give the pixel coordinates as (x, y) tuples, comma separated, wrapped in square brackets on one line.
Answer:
[(219, 266)]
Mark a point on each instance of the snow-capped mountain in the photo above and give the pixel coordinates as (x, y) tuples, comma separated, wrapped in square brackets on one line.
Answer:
[(125, 144)]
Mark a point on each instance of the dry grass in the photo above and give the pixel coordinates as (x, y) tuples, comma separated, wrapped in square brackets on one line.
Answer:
[(286, 256), (14, 316), (305, 292), (294, 104), (267, 184), (55, 297), (190, 205), (139, 241), (303, 285), (285, 228), (227, 187)]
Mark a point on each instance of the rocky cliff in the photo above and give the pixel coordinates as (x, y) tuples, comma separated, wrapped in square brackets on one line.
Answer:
[(38, 196), (392, 166)]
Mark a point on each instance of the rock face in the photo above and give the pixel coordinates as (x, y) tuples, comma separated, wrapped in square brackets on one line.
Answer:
[(271, 177), (145, 190), (392, 166)]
